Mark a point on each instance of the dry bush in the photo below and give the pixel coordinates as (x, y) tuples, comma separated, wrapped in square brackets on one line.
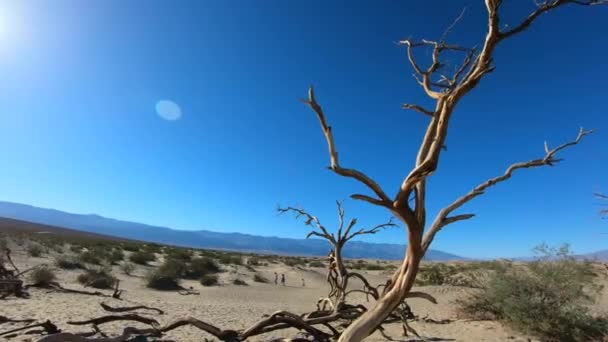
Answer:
[(127, 268), (228, 259), (142, 258), (199, 267), (209, 280), (42, 276), (239, 282), (93, 257), (253, 261), (99, 278), (316, 264), (548, 298), (116, 256), (167, 275), (179, 254), (258, 278), (69, 263), (34, 250)]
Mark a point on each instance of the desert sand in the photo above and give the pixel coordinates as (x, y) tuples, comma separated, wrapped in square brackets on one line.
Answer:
[(236, 307)]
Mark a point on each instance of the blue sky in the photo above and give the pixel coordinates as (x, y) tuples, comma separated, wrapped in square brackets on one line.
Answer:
[(79, 130)]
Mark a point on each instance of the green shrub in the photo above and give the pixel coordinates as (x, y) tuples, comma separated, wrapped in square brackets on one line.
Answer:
[(34, 250), (548, 298), (127, 268), (68, 263), (209, 280), (42, 276), (99, 278), (260, 278), (239, 282), (142, 258), (199, 267)]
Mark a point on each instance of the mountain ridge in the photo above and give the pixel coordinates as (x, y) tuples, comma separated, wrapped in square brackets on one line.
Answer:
[(95, 223)]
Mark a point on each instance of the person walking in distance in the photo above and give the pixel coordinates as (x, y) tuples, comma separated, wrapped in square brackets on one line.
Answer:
[(303, 283), (276, 278), (283, 279)]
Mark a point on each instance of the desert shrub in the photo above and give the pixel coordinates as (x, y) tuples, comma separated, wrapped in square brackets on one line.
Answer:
[(173, 267), (294, 262), (209, 280), (142, 258), (435, 274), (374, 267), (99, 278), (131, 248), (180, 254), (199, 267), (68, 263), (42, 276), (116, 256), (253, 261), (152, 248), (260, 278), (75, 249), (91, 257), (127, 268), (239, 282), (316, 264), (163, 279), (228, 259), (547, 298), (34, 250)]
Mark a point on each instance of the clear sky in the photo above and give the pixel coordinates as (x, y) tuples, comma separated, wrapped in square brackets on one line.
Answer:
[(88, 121)]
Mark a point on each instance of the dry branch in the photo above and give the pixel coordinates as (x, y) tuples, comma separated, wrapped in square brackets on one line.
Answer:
[(131, 308), (443, 219)]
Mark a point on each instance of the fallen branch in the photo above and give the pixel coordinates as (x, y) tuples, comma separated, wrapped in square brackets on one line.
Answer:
[(130, 308), (48, 327)]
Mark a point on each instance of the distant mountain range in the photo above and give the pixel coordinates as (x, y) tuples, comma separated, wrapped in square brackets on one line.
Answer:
[(204, 238)]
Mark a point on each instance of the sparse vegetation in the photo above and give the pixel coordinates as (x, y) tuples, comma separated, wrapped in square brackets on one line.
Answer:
[(68, 263), (127, 268), (179, 254), (239, 282), (142, 258), (316, 264), (202, 266), (209, 280), (228, 259), (42, 276), (116, 256), (548, 298), (34, 250), (98, 277), (92, 257)]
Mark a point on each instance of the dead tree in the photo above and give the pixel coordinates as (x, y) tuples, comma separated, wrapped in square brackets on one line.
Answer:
[(338, 276), (408, 205)]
